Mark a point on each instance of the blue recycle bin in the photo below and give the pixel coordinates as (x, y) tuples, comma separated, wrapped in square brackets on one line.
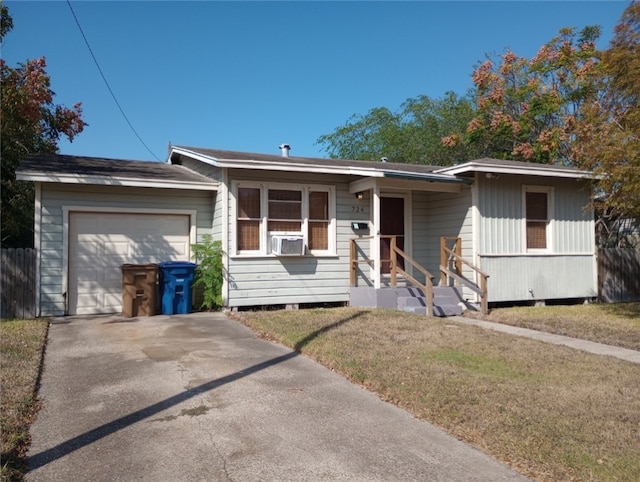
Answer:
[(176, 278)]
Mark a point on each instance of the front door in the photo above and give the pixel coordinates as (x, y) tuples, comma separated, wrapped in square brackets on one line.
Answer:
[(391, 223)]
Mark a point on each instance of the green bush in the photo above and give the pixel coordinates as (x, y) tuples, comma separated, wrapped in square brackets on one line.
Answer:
[(209, 272)]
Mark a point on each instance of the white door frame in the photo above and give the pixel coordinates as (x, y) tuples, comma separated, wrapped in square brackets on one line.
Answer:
[(376, 275)]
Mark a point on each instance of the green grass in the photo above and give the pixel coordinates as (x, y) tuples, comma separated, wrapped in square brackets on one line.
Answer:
[(612, 324), (21, 349), (550, 412)]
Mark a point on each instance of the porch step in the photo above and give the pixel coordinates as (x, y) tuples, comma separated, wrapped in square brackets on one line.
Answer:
[(446, 301), (438, 310)]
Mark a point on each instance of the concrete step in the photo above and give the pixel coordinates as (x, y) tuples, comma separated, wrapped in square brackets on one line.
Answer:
[(447, 310), (438, 310), (448, 291), (410, 302), (446, 300)]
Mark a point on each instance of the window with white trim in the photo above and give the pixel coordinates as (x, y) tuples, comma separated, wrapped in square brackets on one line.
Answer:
[(264, 210), (285, 210), (248, 219), (538, 208)]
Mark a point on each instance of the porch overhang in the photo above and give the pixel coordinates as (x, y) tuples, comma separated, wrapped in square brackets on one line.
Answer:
[(409, 182)]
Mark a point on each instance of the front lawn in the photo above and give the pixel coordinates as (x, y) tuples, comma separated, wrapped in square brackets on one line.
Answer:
[(21, 349), (550, 412), (613, 324)]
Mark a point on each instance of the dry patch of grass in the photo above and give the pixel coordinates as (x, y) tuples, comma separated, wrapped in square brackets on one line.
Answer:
[(612, 324), (551, 412), (21, 350)]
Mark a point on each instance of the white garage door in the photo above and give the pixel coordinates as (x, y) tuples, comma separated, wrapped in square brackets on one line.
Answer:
[(99, 243)]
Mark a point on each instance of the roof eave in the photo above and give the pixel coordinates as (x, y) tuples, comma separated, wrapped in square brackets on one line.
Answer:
[(519, 170), (428, 177), (213, 161), (115, 181), (289, 164)]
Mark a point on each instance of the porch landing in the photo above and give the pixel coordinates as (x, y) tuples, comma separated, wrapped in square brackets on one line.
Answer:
[(446, 299)]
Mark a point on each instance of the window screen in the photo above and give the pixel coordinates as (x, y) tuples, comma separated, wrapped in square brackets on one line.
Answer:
[(537, 220), (248, 219)]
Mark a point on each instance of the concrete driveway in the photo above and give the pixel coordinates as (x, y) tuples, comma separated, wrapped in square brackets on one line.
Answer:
[(200, 397)]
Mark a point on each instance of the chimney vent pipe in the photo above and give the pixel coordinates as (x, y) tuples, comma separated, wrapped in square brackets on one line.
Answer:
[(285, 148)]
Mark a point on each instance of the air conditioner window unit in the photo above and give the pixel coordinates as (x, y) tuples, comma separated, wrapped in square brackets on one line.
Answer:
[(291, 245)]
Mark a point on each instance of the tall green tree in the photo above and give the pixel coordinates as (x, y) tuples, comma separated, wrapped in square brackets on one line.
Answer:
[(31, 123), (411, 135), (608, 134), (526, 109)]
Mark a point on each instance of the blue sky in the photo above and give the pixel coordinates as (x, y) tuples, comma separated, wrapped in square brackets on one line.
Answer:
[(248, 76)]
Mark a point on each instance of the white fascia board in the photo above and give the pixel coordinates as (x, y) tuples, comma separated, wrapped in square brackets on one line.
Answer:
[(293, 167), (522, 170), (431, 176), (361, 185), (115, 181), (194, 155), (405, 184)]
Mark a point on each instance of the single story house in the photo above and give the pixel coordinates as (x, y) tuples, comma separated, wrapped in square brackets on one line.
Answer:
[(305, 231)]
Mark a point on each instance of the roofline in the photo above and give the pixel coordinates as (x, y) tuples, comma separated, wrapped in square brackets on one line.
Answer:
[(534, 170), (428, 177), (289, 164), (116, 181)]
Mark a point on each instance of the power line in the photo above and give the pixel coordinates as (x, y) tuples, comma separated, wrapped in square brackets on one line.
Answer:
[(107, 83)]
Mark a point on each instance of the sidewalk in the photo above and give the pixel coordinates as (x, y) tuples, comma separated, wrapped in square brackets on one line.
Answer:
[(588, 346)]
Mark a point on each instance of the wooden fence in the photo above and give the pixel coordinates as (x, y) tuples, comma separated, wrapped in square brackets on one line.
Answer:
[(618, 275), (18, 283)]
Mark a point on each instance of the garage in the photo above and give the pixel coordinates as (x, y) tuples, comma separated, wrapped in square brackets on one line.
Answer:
[(92, 215), (99, 243)]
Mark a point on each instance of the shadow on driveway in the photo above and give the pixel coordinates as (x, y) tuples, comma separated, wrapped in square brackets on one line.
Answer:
[(293, 420), (38, 460)]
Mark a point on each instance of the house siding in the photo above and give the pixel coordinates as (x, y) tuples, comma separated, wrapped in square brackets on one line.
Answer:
[(203, 168), (55, 196), (216, 173), (442, 214), (271, 280), (500, 205), (520, 278), (566, 271), (217, 206)]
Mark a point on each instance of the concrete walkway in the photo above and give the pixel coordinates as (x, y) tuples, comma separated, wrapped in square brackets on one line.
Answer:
[(588, 346), (201, 398)]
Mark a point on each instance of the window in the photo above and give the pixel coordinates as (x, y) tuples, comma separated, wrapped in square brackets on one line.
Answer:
[(266, 210), (319, 220), (248, 219), (537, 208), (285, 210)]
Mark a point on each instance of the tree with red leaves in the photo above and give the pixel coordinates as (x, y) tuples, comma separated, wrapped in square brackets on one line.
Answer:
[(608, 135), (526, 109), (31, 123)]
